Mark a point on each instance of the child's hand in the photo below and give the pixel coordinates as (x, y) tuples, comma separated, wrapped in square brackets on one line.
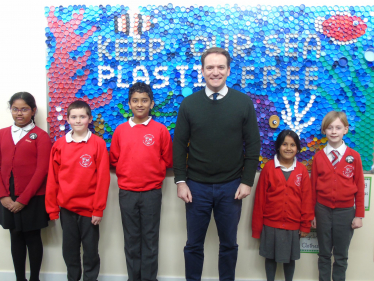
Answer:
[(314, 223), (7, 202), (303, 234), (356, 223), (96, 220), (17, 206)]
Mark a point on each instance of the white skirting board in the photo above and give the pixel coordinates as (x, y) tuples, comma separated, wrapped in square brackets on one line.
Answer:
[(61, 276)]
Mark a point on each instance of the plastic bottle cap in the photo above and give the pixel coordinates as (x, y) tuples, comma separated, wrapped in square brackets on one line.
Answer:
[(369, 54)]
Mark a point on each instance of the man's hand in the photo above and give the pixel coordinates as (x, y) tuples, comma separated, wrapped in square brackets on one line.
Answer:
[(314, 223), (17, 206), (303, 234), (7, 202), (356, 223), (242, 191), (184, 192), (96, 220)]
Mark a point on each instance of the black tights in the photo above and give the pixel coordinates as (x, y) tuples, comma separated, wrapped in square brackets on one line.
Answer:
[(271, 268), (33, 242)]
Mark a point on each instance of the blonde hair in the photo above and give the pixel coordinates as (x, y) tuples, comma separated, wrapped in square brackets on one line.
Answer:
[(331, 117)]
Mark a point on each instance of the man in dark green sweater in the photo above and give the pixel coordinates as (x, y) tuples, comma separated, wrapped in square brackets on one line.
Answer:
[(215, 122)]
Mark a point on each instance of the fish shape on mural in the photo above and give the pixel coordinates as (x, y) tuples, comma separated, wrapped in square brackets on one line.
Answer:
[(342, 29)]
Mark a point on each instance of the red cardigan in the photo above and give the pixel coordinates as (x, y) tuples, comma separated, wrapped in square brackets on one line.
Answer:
[(28, 160), (141, 155), (78, 178), (341, 187), (280, 203)]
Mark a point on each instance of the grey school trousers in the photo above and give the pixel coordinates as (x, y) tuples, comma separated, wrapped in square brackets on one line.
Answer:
[(140, 213), (334, 233), (77, 229)]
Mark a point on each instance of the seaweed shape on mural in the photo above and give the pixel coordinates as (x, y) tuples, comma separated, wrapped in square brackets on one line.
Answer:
[(66, 74), (288, 118)]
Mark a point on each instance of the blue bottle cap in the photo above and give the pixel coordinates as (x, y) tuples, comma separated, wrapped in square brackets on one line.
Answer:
[(79, 72), (343, 61)]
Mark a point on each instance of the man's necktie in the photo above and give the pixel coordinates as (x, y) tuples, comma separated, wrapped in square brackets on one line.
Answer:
[(215, 95)]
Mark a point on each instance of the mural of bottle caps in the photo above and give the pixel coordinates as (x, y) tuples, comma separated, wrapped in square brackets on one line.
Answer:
[(295, 62)]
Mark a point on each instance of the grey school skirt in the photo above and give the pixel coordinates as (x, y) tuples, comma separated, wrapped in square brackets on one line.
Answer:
[(280, 244)]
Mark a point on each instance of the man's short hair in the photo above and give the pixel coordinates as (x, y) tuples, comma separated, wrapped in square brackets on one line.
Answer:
[(216, 50)]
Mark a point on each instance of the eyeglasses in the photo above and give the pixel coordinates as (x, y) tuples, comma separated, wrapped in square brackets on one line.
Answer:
[(23, 110)]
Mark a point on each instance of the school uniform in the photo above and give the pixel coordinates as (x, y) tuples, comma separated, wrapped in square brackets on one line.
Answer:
[(336, 189), (24, 157), (27, 159), (78, 183), (141, 153), (282, 208)]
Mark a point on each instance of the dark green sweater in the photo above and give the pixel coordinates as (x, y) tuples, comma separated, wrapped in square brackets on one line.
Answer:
[(216, 131)]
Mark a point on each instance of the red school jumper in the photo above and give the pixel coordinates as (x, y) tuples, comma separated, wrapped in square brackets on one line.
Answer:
[(341, 187), (78, 178), (28, 160), (280, 203), (141, 155)]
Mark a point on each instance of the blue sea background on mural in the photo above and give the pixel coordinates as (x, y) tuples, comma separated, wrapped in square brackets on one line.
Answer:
[(295, 62)]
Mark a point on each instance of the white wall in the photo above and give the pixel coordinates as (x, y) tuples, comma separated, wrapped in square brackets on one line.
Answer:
[(22, 68)]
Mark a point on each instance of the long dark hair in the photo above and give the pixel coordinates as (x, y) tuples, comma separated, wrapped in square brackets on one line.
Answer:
[(282, 135), (27, 97)]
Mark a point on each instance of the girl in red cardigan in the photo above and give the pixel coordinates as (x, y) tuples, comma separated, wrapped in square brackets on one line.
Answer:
[(283, 207), (338, 185), (24, 157)]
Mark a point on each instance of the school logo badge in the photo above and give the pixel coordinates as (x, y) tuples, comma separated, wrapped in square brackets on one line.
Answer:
[(149, 139), (85, 160), (348, 171), (33, 136), (298, 179), (349, 159)]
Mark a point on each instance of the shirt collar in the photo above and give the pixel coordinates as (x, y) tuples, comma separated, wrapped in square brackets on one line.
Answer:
[(222, 92), (277, 164), (145, 123), (27, 128), (341, 149), (69, 137)]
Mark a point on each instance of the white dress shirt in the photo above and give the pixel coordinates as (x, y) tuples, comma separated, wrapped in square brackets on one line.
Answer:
[(132, 124), (283, 168), (341, 149), (221, 94), (18, 133), (69, 137)]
